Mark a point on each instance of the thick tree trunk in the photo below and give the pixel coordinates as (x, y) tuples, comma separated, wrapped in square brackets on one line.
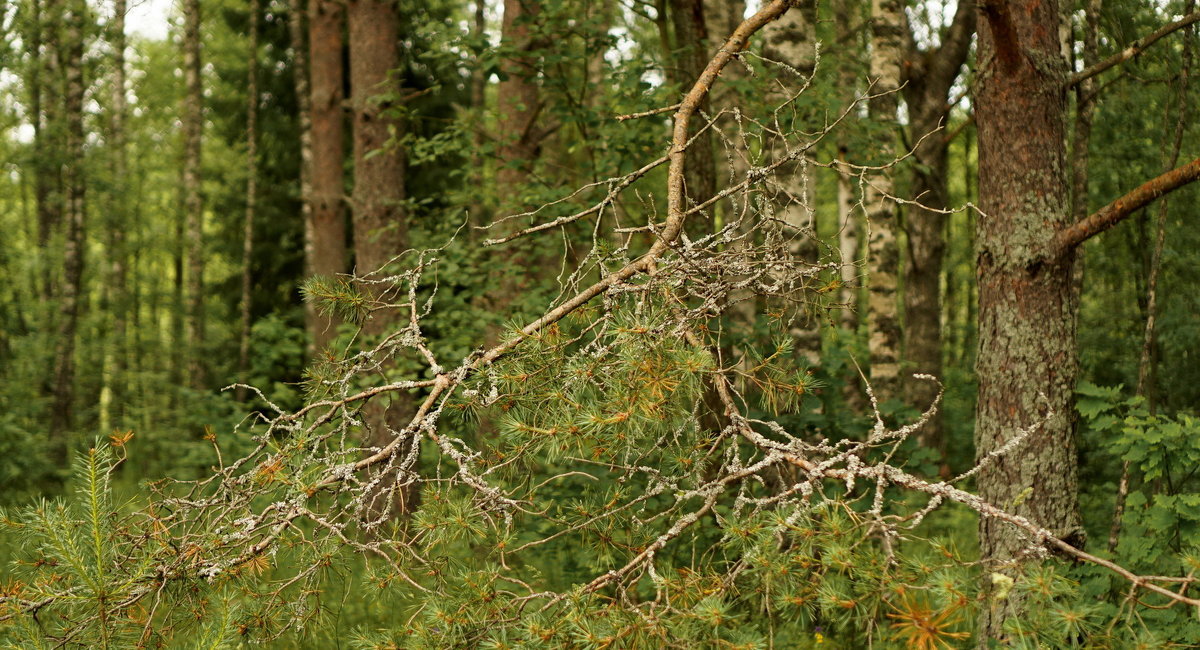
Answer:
[(193, 124), (62, 413), (326, 225), (518, 103), (927, 91), (690, 57), (793, 40), (887, 25), (1027, 361), (380, 224), (251, 199)]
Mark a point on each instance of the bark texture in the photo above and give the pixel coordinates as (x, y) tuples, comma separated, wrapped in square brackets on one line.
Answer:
[(847, 203), (927, 90), (518, 101), (690, 57), (883, 259), (792, 40), (380, 224), (1027, 361), (193, 205), (62, 410), (326, 226)]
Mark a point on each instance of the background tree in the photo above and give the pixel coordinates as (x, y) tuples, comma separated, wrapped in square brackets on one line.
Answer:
[(326, 238)]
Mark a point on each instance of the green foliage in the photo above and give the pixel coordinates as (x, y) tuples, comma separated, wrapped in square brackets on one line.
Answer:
[(1161, 520)]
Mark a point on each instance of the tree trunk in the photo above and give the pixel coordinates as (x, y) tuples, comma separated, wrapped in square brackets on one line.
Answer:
[(300, 84), (887, 25), (326, 226), (380, 224), (251, 199), (1027, 362), (927, 92), (792, 40), (118, 223), (45, 95), (62, 415), (193, 124), (690, 57), (518, 103), (848, 227), (475, 212)]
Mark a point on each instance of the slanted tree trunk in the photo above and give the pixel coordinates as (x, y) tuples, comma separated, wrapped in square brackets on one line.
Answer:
[(1027, 362), (927, 91), (325, 230), (193, 124), (380, 224), (62, 413), (251, 199), (792, 40), (887, 25)]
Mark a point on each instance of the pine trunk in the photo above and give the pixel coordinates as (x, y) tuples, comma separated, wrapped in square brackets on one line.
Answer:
[(1027, 361), (380, 224), (193, 124), (62, 414), (518, 103), (118, 222), (690, 57), (251, 199), (326, 226)]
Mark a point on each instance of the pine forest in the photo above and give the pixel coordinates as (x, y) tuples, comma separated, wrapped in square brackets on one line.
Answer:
[(599, 324)]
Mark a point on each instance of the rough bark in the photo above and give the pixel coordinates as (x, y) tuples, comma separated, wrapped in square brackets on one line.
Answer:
[(193, 206), (887, 28), (62, 410), (689, 58), (930, 76), (792, 40), (1027, 361), (251, 199), (380, 224), (518, 102), (326, 225)]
